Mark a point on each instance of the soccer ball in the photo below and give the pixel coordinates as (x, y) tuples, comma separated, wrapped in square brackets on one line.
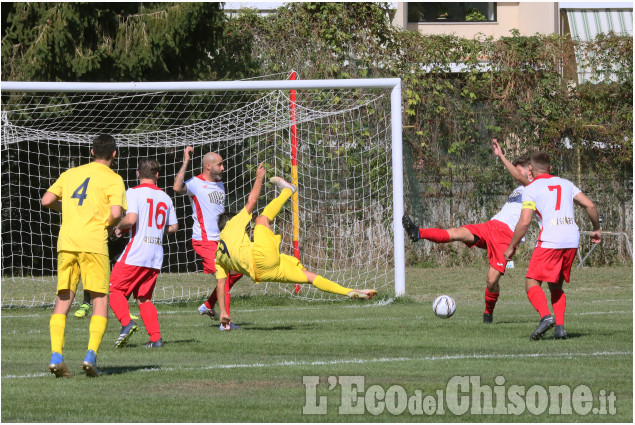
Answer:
[(444, 306)]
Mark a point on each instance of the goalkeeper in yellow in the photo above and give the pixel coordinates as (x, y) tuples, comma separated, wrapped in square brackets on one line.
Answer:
[(261, 259), (91, 198)]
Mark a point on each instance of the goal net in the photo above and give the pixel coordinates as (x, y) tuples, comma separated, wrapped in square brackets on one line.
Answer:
[(337, 143)]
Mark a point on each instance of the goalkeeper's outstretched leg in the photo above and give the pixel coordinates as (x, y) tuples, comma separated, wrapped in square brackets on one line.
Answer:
[(272, 266)]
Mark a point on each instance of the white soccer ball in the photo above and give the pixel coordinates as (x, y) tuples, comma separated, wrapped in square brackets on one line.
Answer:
[(444, 306)]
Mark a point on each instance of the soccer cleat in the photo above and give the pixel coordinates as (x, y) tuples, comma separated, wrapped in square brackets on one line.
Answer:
[(559, 332), (362, 294), (545, 324), (133, 317), (83, 311), (283, 184), (126, 333), (57, 366), (156, 344), (207, 311), (488, 318), (411, 229), (230, 327), (90, 364)]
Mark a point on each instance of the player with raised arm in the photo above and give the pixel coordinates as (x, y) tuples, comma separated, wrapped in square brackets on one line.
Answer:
[(552, 198), (207, 196), (261, 259), (92, 199), (493, 235), (150, 215)]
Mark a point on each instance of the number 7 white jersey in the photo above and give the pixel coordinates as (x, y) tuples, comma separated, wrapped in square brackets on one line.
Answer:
[(155, 211), (552, 199)]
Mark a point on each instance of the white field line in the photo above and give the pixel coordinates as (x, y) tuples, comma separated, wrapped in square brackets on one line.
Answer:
[(291, 363), (381, 303)]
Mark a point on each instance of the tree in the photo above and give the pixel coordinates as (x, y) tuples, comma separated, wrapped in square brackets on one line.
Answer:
[(112, 41)]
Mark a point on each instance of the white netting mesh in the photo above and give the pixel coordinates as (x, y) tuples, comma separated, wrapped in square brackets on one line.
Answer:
[(344, 175)]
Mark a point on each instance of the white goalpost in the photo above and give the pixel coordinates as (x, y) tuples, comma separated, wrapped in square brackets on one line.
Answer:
[(339, 140)]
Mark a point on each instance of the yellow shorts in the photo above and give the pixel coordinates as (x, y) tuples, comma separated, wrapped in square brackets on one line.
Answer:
[(94, 270), (269, 264)]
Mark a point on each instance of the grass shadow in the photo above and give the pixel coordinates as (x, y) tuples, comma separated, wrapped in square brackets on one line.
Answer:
[(118, 370)]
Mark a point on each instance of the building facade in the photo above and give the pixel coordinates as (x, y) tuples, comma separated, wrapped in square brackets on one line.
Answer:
[(469, 19)]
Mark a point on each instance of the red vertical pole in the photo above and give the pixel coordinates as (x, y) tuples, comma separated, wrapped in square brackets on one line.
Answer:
[(294, 177)]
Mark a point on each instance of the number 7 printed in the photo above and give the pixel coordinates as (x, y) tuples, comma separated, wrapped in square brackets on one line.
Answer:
[(558, 190)]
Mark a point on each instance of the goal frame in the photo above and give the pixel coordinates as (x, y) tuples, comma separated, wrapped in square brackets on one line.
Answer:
[(394, 84)]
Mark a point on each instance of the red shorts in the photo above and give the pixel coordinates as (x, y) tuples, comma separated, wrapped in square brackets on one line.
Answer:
[(207, 251), (135, 280), (494, 236), (551, 265)]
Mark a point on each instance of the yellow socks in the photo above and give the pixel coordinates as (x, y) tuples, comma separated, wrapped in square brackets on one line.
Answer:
[(274, 207), (58, 332), (326, 285), (97, 329)]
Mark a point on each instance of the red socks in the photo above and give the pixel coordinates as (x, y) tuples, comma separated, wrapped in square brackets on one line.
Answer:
[(559, 304), (538, 299), (119, 305), (150, 320), (435, 235), (490, 301)]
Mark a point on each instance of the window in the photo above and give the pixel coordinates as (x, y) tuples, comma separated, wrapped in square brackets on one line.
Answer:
[(452, 12)]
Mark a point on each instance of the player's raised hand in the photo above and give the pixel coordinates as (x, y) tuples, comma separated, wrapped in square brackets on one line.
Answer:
[(261, 172), (187, 153), (497, 149)]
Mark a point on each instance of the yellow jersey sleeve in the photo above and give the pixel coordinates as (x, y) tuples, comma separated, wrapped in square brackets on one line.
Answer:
[(116, 192), (239, 222), (56, 188), (221, 273)]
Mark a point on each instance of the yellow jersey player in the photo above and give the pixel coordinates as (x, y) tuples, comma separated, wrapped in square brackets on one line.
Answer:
[(91, 199), (261, 259)]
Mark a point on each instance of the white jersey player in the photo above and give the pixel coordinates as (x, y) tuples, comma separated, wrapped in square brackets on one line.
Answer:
[(493, 235), (207, 197), (149, 216), (154, 210), (552, 199)]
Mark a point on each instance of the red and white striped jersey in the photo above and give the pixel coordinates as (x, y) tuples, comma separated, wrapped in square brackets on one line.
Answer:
[(155, 212), (552, 199), (208, 202)]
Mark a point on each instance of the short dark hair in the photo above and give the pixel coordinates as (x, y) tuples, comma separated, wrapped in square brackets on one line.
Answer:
[(224, 218), (148, 168), (540, 160), (103, 146), (523, 161)]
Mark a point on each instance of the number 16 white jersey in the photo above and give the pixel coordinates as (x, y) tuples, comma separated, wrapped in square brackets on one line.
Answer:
[(155, 212)]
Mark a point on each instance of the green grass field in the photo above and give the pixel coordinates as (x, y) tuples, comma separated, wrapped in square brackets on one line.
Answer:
[(256, 374)]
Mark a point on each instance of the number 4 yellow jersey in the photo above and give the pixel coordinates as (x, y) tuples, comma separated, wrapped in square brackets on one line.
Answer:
[(87, 192)]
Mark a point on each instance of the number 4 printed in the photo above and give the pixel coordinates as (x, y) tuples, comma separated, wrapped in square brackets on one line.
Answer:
[(80, 192)]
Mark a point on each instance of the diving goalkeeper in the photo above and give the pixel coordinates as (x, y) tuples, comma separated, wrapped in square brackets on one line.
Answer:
[(261, 259)]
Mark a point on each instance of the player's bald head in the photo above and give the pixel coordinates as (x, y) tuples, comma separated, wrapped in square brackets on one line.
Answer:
[(210, 158), (213, 166)]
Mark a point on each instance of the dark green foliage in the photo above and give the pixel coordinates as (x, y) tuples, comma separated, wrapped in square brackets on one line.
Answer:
[(112, 41)]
